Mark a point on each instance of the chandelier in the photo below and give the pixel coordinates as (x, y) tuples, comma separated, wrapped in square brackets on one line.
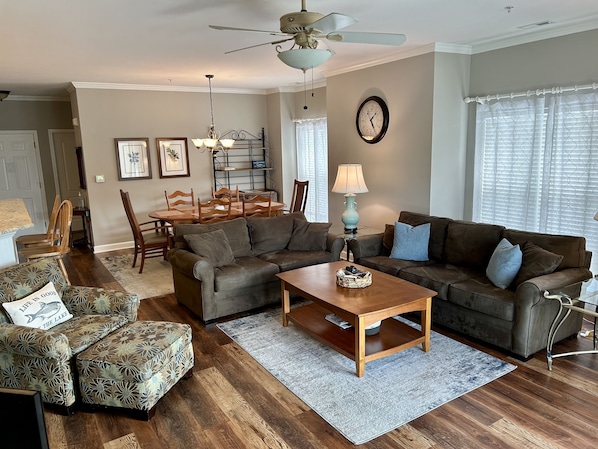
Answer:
[(213, 142)]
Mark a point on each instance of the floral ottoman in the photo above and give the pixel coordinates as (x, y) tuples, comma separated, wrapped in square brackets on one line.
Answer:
[(135, 366)]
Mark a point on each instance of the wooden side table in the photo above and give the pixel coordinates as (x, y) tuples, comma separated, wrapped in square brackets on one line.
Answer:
[(85, 215)]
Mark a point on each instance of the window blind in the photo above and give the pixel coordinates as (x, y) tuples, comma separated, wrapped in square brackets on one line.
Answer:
[(537, 165)]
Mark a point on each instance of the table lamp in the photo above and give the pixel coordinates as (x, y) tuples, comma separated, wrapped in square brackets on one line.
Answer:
[(349, 180)]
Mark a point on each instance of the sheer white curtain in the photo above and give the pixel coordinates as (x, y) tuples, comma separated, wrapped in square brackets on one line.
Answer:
[(537, 165), (312, 165)]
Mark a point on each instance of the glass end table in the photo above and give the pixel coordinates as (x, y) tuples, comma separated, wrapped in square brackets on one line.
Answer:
[(574, 297)]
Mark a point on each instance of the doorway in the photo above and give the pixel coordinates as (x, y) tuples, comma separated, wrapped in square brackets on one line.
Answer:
[(21, 176)]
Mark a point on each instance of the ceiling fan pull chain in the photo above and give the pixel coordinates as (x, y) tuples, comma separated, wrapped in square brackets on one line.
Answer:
[(305, 91)]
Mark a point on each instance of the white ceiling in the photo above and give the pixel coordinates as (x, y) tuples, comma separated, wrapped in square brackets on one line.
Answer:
[(45, 45)]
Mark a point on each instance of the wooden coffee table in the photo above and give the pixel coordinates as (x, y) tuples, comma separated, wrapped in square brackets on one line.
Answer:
[(387, 296)]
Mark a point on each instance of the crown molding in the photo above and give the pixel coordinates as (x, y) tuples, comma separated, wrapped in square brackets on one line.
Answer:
[(526, 37), (436, 47), (36, 98), (162, 88)]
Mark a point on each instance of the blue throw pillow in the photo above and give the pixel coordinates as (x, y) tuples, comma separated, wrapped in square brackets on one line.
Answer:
[(410, 242), (504, 264)]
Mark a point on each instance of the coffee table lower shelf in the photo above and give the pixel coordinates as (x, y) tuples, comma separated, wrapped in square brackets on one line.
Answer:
[(394, 336)]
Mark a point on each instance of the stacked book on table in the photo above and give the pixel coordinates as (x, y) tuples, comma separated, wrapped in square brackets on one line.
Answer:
[(335, 319)]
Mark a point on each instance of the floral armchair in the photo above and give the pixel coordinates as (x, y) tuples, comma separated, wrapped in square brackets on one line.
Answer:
[(43, 360)]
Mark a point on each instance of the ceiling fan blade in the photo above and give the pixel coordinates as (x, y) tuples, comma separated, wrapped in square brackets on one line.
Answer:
[(225, 28), (332, 22), (259, 45), (367, 38)]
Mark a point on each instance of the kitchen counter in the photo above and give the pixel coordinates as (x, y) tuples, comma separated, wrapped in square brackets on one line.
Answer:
[(13, 218)]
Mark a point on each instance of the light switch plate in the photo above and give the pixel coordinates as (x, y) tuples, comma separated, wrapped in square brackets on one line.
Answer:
[(100, 178)]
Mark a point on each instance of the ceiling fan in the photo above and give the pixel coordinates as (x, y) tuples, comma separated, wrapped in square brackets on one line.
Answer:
[(306, 27)]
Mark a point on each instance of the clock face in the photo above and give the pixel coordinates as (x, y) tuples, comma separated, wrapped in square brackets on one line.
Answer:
[(372, 119)]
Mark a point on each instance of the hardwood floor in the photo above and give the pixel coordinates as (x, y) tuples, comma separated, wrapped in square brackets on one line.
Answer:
[(232, 402)]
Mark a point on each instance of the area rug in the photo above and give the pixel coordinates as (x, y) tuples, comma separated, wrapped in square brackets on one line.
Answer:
[(156, 279), (393, 391)]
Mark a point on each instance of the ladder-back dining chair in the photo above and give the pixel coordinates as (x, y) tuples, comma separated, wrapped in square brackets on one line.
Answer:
[(214, 210), (299, 200), (257, 206), (42, 239), (178, 198), (223, 192), (58, 245), (150, 238)]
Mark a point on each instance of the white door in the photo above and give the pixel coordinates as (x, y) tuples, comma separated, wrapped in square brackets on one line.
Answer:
[(67, 170), (21, 176)]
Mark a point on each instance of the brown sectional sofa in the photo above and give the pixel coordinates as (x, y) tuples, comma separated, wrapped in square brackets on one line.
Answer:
[(261, 247), (516, 318)]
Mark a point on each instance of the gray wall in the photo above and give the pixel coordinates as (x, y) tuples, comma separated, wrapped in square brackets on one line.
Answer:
[(397, 170), (108, 114), (40, 116)]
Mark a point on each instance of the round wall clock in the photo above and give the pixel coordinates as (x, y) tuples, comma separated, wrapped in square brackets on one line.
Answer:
[(372, 119)]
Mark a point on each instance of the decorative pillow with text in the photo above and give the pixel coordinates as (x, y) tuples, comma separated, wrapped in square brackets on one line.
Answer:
[(43, 309)]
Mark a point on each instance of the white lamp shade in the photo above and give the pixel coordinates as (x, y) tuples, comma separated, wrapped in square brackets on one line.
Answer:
[(349, 179), (304, 58)]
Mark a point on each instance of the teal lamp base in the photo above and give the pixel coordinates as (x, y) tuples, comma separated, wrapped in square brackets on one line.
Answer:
[(350, 217)]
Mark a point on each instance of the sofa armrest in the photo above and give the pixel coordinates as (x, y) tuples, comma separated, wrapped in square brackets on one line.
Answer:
[(92, 300), (31, 342), (192, 265), (366, 246), (335, 245), (534, 313)]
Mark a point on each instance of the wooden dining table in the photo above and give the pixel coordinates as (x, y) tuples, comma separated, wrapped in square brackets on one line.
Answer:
[(190, 214)]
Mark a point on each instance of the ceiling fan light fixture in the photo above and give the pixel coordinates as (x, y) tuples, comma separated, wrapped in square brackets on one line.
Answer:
[(304, 58)]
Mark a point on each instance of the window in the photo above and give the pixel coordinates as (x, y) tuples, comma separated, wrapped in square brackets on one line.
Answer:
[(312, 165), (537, 165)]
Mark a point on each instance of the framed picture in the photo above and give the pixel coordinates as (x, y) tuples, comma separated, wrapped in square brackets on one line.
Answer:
[(132, 157), (173, 156)]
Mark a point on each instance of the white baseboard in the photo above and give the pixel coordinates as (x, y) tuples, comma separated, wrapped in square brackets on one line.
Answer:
[(113, 247)]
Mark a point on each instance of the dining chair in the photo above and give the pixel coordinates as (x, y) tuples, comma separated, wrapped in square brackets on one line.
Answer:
[(257, 206), (299, 200), (214, 210), (42, 239), (58, 245), (223, 192), (150, 238), (178, 198)]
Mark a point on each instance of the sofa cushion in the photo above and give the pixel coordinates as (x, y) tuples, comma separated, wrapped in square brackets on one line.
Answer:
[(235, 230), (289, 260), (573, 249), (471, 244), (387, 239), (388, 265), (481, 295), (438, 229), (504, 264), (536, 262), (213, 246), (42, 309), (270, 233), (85, 330), (245, 272), (411, 242), (437, 277), (308, 236)]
